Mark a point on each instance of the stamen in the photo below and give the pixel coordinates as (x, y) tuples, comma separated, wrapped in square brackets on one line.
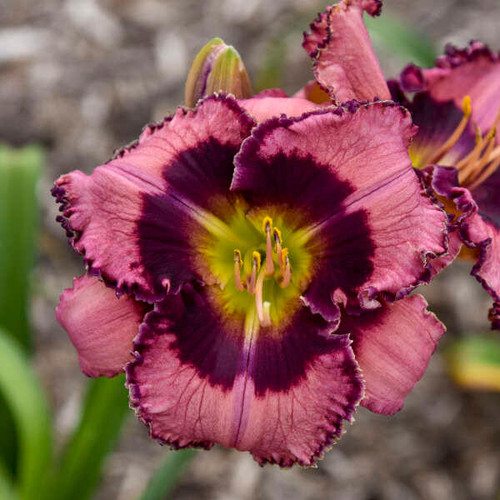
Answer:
[(487, 172), (452, 140), (255, 269), (480, 163), (238, 263), (286, 269), (277, 242), (269, 247), (263, 308)]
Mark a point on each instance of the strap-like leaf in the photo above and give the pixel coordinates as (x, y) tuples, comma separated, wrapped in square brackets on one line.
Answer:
[(24, 395), (79, 470)]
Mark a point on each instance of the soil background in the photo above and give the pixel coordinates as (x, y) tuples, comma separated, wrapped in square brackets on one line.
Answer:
[(82, 77)]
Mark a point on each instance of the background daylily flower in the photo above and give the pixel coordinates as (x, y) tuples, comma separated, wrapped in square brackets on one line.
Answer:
[(456, 107), (247, 242)]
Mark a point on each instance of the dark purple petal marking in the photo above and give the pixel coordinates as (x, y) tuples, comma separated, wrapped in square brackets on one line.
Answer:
[(349, 175), (282, 394), (167, 233), (106, 214), (294, 180)]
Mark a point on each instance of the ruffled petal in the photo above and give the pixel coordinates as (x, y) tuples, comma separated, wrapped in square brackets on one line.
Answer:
[(393, 346), (100, 325), (475, 228), (473, 71), (136, 218), (203, 377), (263, 108), (345, 63), (348, 175)]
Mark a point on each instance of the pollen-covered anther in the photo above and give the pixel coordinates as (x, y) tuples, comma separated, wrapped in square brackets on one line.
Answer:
[(256, 261), (277, 245), (238, 264), (286, 269), (267, 224), (457, 133)]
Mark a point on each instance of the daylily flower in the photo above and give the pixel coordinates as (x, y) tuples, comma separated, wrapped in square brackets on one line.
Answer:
[(456, 107), (239, 251)]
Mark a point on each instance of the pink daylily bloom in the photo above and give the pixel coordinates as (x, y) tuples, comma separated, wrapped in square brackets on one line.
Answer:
[(456, 106), (237, 249)]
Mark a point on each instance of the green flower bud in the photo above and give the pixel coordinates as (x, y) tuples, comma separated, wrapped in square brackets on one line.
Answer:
[(217, 68)]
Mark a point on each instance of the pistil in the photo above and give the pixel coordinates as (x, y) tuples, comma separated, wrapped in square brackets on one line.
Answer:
[(254, 281), (263, 308)]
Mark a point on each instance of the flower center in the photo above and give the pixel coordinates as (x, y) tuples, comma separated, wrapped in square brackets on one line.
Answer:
[(253, 283), (263, 265), (484, 158)]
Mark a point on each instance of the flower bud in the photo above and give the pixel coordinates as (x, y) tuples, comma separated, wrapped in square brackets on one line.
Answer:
[(217, 68)]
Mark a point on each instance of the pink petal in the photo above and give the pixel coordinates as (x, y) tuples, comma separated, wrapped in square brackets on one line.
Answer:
[(100, 325), (475, 229), (349, 177), (393, 346), (263, 108), (473, 71), (280, 393), (136, 218), (344, 60)]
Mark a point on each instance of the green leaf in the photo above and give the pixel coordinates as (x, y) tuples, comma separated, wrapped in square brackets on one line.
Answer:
[(474, 362), (25, 397), (7, 491), (401, 40), (79, 470), (168, 474), (19, 173)]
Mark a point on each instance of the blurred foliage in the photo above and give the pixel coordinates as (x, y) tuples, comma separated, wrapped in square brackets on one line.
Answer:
[(19, 173), (25, 396), (401, 40), (167, 475), (79, 467), (474, 362)]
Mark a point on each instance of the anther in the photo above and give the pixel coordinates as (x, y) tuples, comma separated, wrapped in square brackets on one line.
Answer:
[(286, 269), (267, 223), (452, 140), (255, 269), (277, 244), (263, 308), (238, 263)]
